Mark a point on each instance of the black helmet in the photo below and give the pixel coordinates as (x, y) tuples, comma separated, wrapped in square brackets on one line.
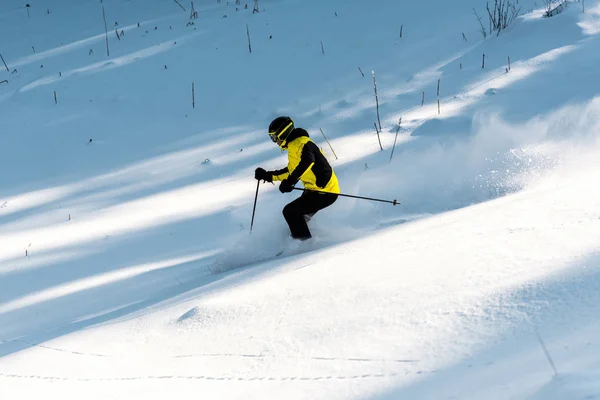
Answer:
[(280, 129)]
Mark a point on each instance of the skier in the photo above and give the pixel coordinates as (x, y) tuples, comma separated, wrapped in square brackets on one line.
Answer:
[(307, 163)]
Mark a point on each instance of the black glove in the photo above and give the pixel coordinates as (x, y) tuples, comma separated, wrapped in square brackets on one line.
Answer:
[(261, 175), (286, 186)]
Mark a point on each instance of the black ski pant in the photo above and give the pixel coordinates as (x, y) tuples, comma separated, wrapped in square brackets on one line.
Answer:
[(303, 208)]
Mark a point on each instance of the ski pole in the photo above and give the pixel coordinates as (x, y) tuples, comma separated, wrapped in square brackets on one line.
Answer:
[(394, 202), (254, 208)]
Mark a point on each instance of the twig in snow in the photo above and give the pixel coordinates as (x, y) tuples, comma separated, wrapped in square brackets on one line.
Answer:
[(105, 31), (193, 96), (322, 48), (361, 72), (376, 99), (483, 31), (551, 12), (6, 66), (378, 138), (550, 361), (438, 96), (333, 151), (179, 4), (396, 138), (503, 14), (248, 33), (193, 13)]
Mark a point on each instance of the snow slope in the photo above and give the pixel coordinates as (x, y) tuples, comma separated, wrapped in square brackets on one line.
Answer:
[(116, 200)]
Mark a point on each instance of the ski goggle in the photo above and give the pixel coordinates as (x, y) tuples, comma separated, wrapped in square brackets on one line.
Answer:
[(275, 136)]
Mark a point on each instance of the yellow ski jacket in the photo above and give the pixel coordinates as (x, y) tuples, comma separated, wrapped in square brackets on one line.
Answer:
[(306, 163)]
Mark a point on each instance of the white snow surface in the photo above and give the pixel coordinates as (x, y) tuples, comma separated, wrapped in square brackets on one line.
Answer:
[(127, 269)]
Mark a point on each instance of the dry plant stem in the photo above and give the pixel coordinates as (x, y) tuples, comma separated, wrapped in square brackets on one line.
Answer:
[(438, 96), (248, 33), (483, 31), (504, 12), (106, 31), (331, 147), (376, 99), (378, 138), (4, 62), (179, 4), (548, 357), (396, 138)]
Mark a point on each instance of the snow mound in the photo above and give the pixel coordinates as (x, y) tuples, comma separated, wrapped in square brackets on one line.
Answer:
[(205, 316), (447, 127), (570, 387), (190, 315)]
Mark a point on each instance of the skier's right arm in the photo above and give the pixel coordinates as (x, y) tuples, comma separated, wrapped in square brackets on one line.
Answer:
[(270, 176), (280, 174)]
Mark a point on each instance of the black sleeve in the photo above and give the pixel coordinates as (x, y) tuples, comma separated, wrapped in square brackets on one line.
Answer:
[(280, 171), (279, 174), (306, 160)]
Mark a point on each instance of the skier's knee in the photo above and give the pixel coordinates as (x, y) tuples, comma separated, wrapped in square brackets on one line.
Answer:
[(287, 211)]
